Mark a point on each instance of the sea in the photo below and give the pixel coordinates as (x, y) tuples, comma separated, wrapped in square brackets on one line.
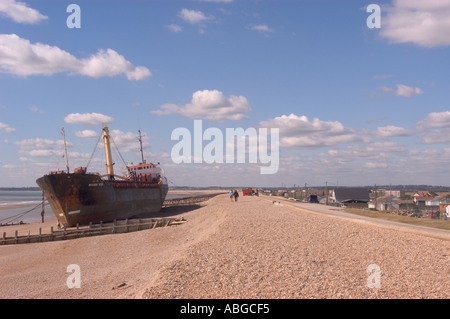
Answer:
[(22, 206)]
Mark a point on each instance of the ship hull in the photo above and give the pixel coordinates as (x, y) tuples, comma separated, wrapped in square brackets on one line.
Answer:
[(85, 198)]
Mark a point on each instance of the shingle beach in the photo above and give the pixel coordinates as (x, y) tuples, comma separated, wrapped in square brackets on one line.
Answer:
[(252, 248)]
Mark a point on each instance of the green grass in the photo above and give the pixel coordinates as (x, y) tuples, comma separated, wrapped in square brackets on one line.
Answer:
[(424, 221)]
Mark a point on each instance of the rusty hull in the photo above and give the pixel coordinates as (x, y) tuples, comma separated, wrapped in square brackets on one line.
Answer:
[(83, 198)]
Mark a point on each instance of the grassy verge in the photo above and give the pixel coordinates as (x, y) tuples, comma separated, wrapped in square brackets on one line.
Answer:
[(436, 223)]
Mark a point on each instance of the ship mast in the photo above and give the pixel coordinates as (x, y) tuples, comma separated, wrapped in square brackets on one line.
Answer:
[(109, 162), (65, 149), (140, 142)]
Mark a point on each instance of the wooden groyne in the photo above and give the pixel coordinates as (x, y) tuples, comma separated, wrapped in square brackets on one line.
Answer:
[(115, 227)]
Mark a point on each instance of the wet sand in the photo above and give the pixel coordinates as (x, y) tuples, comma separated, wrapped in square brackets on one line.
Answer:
[(246, 249)]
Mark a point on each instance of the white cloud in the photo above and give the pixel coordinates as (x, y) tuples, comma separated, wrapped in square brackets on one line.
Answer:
[(435, 128), (87, 134), (391, 131), (262, 28), (435, 120), (6, 128), (87, 118), (424, 23), (111, 63), (18, 56), (210, 105), (20, 12), (128, 141), (300, 131), (436, 136), (193, 16), (403, 90), (174, 28), (39, 147)]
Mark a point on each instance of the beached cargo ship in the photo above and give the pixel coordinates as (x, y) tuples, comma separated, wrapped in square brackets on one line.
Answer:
[(81, 197)]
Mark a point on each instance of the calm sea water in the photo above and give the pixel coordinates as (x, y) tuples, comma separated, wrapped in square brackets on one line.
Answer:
[(29, 209)]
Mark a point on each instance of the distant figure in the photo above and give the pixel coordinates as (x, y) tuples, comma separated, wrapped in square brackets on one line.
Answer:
[(236, 195), (58, 225), (231, 195), (42, 215)]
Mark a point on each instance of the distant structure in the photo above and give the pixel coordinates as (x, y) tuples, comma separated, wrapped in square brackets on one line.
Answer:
[(350, 196)]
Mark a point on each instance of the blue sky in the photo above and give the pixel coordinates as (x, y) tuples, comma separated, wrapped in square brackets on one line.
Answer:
[(354, 105)]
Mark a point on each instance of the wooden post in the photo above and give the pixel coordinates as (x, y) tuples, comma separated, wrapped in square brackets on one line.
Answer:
[(51, 233), (4, 237), (40, 234), (16, 237)]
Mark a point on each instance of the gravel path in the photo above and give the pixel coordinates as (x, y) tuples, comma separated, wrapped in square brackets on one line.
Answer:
[(262, 250)]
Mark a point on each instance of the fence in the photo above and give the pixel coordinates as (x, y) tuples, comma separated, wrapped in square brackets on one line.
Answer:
[(116, 227)]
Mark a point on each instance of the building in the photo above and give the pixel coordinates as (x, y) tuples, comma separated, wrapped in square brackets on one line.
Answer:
[(351, 196), (421, 197), (386, 203), (443, 204)]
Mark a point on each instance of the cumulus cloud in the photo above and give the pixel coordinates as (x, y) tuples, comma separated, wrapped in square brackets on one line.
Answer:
[(301, 132), (403, 90), (423, 23), (392, 131), (441, 136), (110, 63), (435, 120), (128, 141), (193, 16), (39, 147), (20, 12), (87, 118), (210, 105), (435, 128), (20, 57), (6, 128)]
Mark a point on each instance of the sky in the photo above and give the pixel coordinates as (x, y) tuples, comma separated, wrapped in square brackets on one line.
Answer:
[(354, 103)]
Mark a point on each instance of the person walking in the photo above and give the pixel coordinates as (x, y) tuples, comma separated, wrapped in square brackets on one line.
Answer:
[(236, 195), (231, 195)]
